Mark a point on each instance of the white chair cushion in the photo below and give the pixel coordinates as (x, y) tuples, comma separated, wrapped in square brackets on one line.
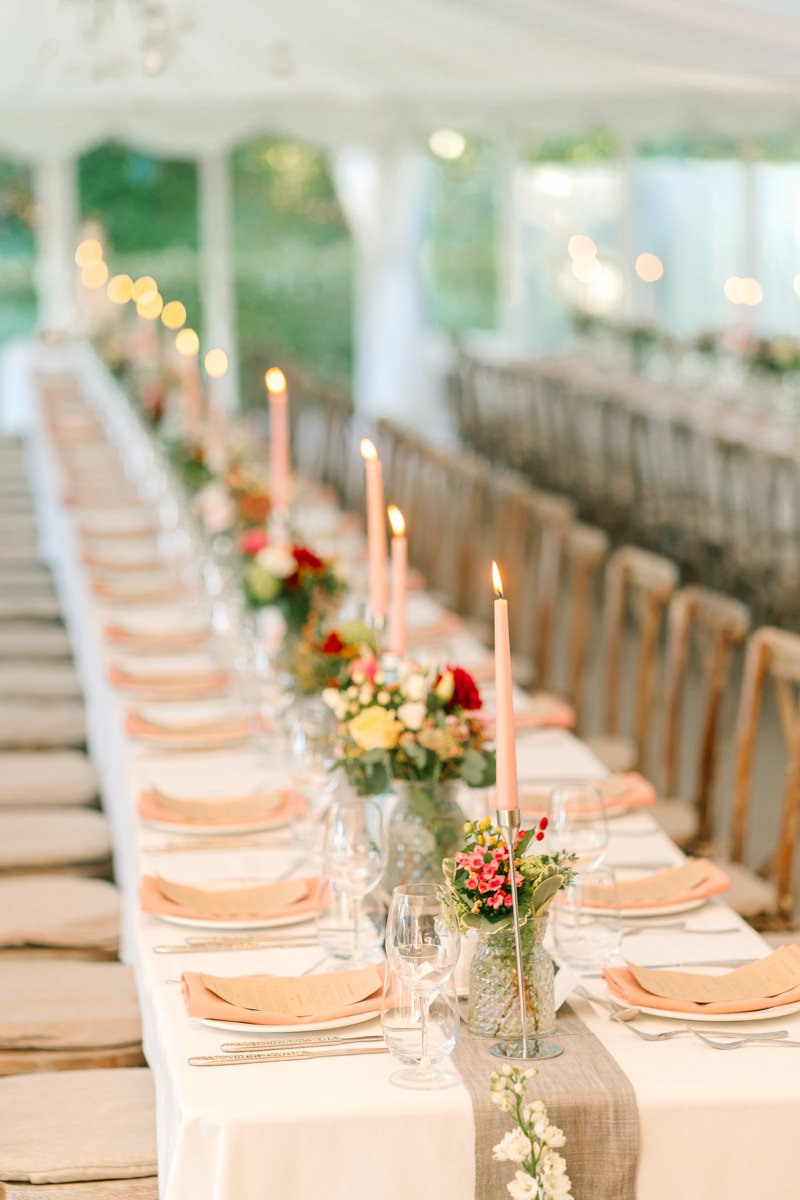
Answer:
[(52, 837), (57, 1005), (49, 778), (749, 894), (616, 753), (48, 679), (678, 819), (58, 911), (26, 640), (68, 1126), (26, 723)]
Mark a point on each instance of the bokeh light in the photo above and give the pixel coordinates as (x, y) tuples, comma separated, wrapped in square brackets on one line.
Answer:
[(120, 289), (174, 314), (150, 307), (187, 343), (275, 380), (734, 289), (752, 291), (88, 252), (448, 144), (649, 267), (95, 275), (216, 363), (145, 289), (586, 270), (580, 245)]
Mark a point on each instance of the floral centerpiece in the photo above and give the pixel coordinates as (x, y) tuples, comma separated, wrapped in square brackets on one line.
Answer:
[(480, 880), (421, 734), (248, 487), (189, 463), (292, 578), (321, 657), (533, 1146)]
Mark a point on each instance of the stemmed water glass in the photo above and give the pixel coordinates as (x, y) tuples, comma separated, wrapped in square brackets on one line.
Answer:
[(578, 825), (422, 944), (311, 747), (354, 854)]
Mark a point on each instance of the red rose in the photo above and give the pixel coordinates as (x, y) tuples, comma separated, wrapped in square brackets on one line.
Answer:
[(304, 558), (251, 541), (333, 644), (465, 690)]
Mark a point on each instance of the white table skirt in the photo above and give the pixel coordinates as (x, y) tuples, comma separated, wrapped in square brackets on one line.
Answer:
[(712, 1125)]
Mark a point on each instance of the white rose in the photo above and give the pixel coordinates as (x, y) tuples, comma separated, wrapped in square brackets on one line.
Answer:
[(415, 687), (515, 1147), (277, 561), (523, 1187), (412, 714)]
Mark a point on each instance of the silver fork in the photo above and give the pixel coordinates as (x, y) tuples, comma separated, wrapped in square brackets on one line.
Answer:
[(618, 1012), (734, 1043)]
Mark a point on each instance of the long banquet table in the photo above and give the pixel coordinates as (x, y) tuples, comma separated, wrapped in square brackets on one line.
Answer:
[(712, 1125)]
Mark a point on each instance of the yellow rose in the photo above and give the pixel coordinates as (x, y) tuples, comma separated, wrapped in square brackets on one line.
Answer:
[(375, 729)]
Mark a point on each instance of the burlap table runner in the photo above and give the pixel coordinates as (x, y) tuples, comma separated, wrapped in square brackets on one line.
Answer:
[(587, 1095)]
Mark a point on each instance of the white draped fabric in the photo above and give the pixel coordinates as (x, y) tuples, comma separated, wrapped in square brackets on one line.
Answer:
[(73, 74)]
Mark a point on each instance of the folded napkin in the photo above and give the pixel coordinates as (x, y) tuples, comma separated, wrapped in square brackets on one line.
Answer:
[(425, 635), (116, 529), (201, 1001), (156, 806), (170, 687), (152, 899), (541, 712), (623, 985), (619, 792), (230, 729), (711, 880), (156, 642)]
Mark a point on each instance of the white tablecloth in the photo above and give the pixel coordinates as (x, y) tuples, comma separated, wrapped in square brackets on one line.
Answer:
[(713, 1125)]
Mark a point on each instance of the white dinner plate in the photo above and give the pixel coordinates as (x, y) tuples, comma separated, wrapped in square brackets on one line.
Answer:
[(268, 1030), (245, 923), (760, 1014), (659, 910)]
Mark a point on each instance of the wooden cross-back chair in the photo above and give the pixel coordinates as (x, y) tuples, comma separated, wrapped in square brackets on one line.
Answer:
[(766, 897), (712, 625), (637, 583), (585, 551)]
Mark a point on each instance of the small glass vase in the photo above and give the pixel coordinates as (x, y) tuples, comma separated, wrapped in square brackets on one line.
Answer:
[(493, 1010), (426, 825)]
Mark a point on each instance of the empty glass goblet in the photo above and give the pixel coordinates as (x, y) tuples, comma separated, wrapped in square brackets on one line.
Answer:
[(402, 1016), (577, 824), (422, 945), (354, 854)]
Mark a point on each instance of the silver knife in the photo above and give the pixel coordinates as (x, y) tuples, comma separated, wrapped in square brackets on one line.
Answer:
[(233, 945), (694, 962), (298, 1043), (230, 1060)]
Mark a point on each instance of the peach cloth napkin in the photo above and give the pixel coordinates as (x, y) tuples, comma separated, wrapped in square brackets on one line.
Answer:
[(170, 687), (623, 986), (716, 881), (153, 900), (234, 729), (203, 1003), (151, 810), (543, 712), (619, 792), (179, 639)]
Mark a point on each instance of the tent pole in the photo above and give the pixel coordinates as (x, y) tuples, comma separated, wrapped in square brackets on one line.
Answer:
[(55, 181), (217, 286), (512, 292)]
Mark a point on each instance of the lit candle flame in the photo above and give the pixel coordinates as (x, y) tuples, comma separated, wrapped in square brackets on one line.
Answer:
[(275, 380), (216, 363), (497, 582), (367, 449), (396, 520)]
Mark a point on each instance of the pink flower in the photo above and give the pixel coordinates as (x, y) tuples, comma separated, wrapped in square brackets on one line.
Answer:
[(252, 541)]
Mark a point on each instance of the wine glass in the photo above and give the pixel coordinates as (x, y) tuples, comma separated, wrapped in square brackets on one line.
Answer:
[(422, 945), (311, 748), (401, 1019), (354, 854), (577, 824), (587, 927)]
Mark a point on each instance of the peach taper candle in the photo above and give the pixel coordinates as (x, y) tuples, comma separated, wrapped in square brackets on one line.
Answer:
[(397, 628), (376, 531), (507, 795)]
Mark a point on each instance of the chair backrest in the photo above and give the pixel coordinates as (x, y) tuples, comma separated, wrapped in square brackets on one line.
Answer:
[(774, 654), (715, 624), (638, 583), (585, 551)]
